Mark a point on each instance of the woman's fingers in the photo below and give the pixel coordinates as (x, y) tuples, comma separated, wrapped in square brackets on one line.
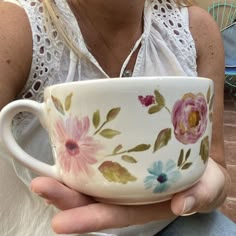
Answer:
[(206, 195), (99, 216), (58, 194), (86, 215), (82, 214)]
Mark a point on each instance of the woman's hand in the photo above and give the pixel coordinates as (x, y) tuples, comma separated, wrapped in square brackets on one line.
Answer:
[(208, 194), (81, 214)]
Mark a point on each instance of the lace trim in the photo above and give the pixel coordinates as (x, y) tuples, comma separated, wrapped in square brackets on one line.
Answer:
[(47, 52), (168, 18)]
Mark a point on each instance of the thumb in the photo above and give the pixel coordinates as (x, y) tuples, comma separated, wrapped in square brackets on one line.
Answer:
[(184, 205), (207, 194)]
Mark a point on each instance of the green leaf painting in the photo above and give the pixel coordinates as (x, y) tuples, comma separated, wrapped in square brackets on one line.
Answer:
[(159, 103), (128, 159), (109, 133), (112, 114), (117, 149), (187, 154), (68, 102), (183, 162), (159, 98), (211, 103), (114, 172), (204, 149), (211, 116), (140, 148), (155, 108), (58, 105), (208, 94), (96, 119), (181, 158), (186, 166), (162, 139)]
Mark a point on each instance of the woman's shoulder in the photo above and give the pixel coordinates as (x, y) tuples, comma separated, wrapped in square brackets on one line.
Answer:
[(204, 29), (15, 27), (200, 19), (209, 45), (15, 50)]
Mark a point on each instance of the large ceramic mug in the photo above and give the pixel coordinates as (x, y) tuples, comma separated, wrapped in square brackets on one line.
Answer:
[(122, 140)]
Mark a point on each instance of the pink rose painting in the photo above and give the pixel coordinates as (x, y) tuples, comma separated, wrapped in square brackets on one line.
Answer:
[(76, 149), (189, 118)]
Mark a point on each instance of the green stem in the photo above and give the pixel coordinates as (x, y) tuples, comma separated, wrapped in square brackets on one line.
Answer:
[(115, 154), (180, 167), (99, 128), (167, 109)]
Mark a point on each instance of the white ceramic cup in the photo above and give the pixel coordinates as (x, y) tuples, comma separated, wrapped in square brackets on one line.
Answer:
[(122, 140)]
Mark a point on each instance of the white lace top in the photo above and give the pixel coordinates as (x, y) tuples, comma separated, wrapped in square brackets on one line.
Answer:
[(167, 48)]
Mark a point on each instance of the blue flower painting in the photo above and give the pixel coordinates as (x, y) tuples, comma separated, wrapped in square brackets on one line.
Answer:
[(161, 176)]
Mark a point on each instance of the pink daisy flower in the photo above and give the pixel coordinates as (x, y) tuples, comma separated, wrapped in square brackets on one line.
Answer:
[(76, 150)]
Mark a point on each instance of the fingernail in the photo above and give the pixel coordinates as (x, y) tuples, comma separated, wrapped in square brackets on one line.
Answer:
[(38, 193), (33, 190), (47, 202), (188, 204)]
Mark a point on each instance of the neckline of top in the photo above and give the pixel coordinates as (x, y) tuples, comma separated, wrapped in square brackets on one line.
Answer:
[(67, 13)]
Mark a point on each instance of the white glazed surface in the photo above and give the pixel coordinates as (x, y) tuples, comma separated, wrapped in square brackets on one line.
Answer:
[(125, 140), (125, 183)]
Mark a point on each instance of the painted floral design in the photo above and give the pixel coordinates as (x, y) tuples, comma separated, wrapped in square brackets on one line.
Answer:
[(77, 145), (189, 118), (114, 172), (107, 132), (76, 149), (161, 176), (155, 103), (183, 162), (147, 100)]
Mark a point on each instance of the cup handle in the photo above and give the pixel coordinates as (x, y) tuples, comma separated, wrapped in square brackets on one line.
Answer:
[(6, 116)]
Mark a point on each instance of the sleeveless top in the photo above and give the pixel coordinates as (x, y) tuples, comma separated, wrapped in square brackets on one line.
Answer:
[(167, 48)]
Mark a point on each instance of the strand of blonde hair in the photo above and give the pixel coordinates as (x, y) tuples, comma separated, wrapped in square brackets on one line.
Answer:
[(52, 12), (187, 3)]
